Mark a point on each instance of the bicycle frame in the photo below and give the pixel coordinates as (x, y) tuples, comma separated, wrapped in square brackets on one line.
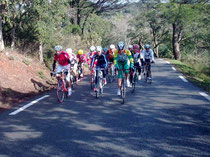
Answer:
[(61, 86), (147, 71), (122, 88), (100, 83)]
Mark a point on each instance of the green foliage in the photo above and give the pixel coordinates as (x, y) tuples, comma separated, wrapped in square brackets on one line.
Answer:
[(26, 62), (41, 75), (11, 58), (97, 30), (198, 77)]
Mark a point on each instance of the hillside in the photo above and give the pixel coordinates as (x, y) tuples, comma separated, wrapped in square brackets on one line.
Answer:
[(20, 78)]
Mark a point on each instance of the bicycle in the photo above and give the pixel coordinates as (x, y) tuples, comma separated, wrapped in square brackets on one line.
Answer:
[(134, 79), (79, 69), (100, 83), (72, 78), (147, 73), (93, 75), (61, 89), (122, 88), (111, 73)]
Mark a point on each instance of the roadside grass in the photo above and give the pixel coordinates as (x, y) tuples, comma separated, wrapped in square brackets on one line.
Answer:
[(41, 75), (199, 78)]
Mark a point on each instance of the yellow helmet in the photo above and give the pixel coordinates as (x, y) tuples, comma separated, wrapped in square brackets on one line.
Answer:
[(80, 52)]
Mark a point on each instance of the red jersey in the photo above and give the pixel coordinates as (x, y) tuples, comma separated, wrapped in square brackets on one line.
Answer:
[(82, 58), (62, 58)]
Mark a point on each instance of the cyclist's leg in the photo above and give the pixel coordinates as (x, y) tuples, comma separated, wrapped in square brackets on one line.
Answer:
[(126, 66), (97, 74), (68, 81)]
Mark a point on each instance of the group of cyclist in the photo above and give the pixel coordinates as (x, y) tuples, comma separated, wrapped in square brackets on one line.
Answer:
[(99, 58)]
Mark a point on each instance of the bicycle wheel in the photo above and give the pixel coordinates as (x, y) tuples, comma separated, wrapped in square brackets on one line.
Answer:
[(101, 86), (135, 78), (123, 91), (60, 91)]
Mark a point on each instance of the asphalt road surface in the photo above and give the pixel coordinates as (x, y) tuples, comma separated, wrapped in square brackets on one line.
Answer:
[(168, 118)]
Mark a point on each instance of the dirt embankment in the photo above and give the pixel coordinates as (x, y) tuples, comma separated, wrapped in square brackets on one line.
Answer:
[(21, 77)]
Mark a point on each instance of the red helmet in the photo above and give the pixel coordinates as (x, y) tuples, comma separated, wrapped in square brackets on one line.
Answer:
[(135, 46)]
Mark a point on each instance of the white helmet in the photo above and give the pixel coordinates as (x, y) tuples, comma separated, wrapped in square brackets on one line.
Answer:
[(58, 48), (112, 47), (92, 48), (130, 46), (69, 51), (98, 48)]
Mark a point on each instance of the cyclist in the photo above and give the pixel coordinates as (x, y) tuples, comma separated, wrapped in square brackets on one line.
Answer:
[(106, 53), (81, 60), (73, 60), (137, 57), (63, 64), (111, 53), (101, 63), (130, 48), (121, 60), (148, 57), (91, 54)]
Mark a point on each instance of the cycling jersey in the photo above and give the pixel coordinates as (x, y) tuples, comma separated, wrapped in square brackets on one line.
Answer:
[(101, 60), (123, 58), (82, 58), (136, 57), (148, 56), (90, 57), (122, 61), (62, 58)]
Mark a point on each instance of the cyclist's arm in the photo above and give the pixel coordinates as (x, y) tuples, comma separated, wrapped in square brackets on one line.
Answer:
[(106, 61), (92, 62), (54, 65), (115, 58), (143, 55), (152, 54), (130, 57)]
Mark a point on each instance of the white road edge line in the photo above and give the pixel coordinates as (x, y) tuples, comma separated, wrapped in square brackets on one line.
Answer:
[(183, 79), (28, 105), (205, 95), (168, 62), (173, 68)]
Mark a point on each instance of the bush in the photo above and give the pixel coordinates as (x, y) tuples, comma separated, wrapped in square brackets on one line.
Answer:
[(11, 58), (41, 75), (27, 62)]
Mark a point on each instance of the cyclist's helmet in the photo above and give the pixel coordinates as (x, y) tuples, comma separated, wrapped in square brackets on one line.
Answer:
[(121, 45), (58, 48), (147, 46), (112, 47), (80, 52), (92, 48), (130, 46), (105, 49), (69, 50), (98, 48), (135, 46)]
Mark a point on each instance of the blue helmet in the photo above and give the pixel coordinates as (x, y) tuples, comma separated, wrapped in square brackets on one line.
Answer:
[(121, 45), (105, 49), (147, 46)]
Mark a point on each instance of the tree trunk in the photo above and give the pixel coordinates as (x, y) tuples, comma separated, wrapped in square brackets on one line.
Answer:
[(13, 37), (177, 32), (41, 53), (1, 36), (157, 51)]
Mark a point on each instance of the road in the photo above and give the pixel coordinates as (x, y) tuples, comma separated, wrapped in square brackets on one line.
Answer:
[(167, 118)]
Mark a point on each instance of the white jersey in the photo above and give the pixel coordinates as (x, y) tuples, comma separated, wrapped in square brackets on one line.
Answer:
[(73, 58), (136, 57), (148, 55)]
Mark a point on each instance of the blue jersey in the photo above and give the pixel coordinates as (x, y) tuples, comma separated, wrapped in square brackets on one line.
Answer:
[(101, 60)]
